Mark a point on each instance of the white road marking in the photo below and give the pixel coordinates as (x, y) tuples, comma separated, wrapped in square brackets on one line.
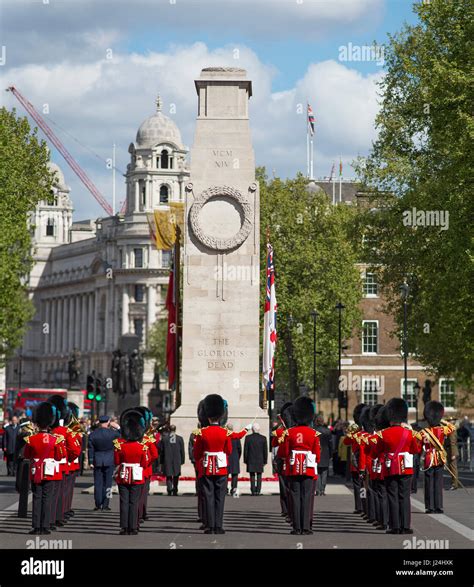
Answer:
[(447, 521)]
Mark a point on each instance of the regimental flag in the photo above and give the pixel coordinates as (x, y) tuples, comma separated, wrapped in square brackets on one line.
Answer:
[(340, 167), (333, 169), (269, 327), (310, 120), (172, 331)]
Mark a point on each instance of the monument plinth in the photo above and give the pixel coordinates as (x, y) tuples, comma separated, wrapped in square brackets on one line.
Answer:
[(220, 349)]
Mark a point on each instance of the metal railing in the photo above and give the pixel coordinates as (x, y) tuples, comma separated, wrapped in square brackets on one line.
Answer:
[(465, 456)]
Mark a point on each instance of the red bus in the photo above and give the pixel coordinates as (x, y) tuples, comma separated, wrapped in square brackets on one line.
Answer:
[(28, 398)]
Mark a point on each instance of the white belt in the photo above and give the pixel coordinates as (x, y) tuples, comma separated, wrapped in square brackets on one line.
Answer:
[(63, 461), (221, 459), (136, 468), (309, 458), (407, 459)]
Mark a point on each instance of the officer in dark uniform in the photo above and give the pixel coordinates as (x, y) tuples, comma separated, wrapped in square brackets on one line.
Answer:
[(101, 459)]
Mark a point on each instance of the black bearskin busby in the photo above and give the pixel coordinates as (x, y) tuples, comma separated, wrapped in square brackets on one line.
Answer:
[(304, 411), (74, 409), (357, 412), (62, 409), (225, 416), (132, 425), (433, 413), (214, 406), (286, 414), (201, 414), (45, 415), (381, 419), (397, 410), (366, 420)]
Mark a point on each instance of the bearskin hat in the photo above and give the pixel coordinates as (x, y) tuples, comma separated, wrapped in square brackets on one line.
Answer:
[(74, 409), (366, 420), (433, 413), (357, 412), (62, 409), (381, 419), (225, 415), (214, 406), (397, 410), (201, 414), (303, 410), (286, 414), (132, 425), (45, 415)]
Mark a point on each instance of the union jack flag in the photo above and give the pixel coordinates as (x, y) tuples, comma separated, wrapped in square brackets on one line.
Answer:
[(310, 120), (269, 326)]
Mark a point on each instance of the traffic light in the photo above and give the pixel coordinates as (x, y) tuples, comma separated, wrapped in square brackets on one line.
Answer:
[(99, 389), (341, 399), (90, 387)]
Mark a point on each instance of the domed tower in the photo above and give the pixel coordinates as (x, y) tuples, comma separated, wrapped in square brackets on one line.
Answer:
[(53, 220), (157, 170)]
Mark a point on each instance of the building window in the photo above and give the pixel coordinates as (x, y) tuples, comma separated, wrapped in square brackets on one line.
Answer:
[(164, 194), (370, 332), (144, 196), (138, 257), (139, 292), (370, 286), (165, 259), (446, 393), (138, 327), (164, 160), (370, 391), (410, 395), (50, 227)]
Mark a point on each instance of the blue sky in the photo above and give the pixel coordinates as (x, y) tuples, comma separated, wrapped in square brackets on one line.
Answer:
[(290, 48)]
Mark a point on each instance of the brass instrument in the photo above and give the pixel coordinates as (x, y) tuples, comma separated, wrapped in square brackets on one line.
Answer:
[(74, 425)]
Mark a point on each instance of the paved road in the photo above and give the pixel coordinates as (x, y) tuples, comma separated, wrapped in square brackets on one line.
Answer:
[(251, 522)]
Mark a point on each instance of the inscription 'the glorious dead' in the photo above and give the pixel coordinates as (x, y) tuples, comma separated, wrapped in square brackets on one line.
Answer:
[(220, 359)]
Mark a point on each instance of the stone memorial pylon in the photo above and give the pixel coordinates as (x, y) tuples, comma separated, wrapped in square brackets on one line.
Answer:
[(220, 348)]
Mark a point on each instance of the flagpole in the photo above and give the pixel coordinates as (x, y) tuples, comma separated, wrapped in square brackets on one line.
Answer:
[(340, 179), (177, 255), (307, 145), (333, 186), (311, 160)]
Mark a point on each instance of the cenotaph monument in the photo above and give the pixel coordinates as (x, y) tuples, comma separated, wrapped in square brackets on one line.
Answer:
[(221, 305)]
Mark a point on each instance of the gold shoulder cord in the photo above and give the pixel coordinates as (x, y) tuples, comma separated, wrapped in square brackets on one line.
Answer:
[(117, 444)]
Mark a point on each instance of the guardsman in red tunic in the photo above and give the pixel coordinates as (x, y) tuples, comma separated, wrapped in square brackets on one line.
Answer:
[(63, 414), (203, 422), (377, 467), (74, 429), (212, 449), (150, 440), (131, 458), (286, 421), (433, 456), (301, 451), (354, 440), (44, 450), (369, 474), (397, 445)]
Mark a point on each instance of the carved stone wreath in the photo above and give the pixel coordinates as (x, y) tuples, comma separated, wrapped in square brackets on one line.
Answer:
[(221, 244)]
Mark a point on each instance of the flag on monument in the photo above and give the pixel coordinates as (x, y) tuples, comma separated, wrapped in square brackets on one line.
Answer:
[(269, 325), (310, 120), (340, 167), (172, 332)]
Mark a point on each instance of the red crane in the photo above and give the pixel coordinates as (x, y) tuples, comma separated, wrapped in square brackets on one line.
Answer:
[(62, 149)]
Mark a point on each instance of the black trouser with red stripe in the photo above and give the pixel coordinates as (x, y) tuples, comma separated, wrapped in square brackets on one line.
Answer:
[(42, 498), (434, 488), (214, 489), (398, 493), (357, 484), (129, 501), (301, 497), (381, 502)]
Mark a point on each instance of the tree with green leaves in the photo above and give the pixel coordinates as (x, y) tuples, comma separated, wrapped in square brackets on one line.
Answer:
[(419, 175), (25, 179), (315, 255)]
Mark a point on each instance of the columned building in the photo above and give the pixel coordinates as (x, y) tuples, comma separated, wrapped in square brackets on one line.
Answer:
[(94, 281)]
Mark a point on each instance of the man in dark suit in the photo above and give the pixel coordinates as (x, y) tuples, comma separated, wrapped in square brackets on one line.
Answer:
[(101, 459), (9, 445), (233, 465), (172, 454), (255, 457), (325, 441)]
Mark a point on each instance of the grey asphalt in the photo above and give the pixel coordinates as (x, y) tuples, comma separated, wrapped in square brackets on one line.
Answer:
[(250, 522)]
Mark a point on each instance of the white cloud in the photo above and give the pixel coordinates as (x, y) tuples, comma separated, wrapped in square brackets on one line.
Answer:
[(104, 102)]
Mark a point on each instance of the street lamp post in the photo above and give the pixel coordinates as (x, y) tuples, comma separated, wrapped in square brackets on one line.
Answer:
[(404, 290), (339, 308), (416, 389), (314, 316)]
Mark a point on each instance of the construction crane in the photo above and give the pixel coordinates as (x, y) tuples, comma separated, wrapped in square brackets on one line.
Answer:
[(62, 149)]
